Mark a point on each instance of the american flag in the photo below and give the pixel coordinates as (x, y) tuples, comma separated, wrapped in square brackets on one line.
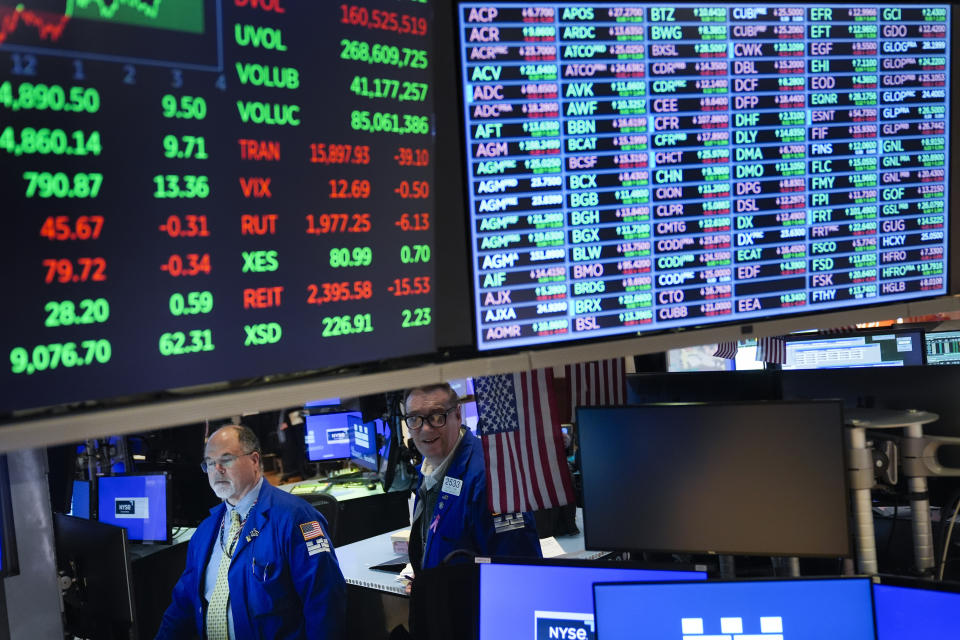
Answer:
[(772, 350), (311, 530), (598, 383), (726, 350), (526, 465)]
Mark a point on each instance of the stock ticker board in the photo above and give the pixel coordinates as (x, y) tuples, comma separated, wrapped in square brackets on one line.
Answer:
[(207, 190), (635, 167)]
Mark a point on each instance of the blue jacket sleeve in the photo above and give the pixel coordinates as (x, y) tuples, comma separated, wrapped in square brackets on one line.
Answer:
[(319, 583), (521, 542), (180, 619)]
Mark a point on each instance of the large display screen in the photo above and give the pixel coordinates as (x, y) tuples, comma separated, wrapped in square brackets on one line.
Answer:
[(210, 190), (762, 478), (635, 167), (774, 609), (894, 348)]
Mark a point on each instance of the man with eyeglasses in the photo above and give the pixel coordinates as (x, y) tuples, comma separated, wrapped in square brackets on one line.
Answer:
[(261, 566), (450, 511)]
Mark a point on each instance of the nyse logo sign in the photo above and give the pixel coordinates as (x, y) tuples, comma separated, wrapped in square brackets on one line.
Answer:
[(138, 508), (339, 434), (560, 625), (771, 628)]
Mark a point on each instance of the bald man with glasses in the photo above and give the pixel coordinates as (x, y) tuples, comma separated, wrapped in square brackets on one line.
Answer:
[(450, 512), (261, 565)]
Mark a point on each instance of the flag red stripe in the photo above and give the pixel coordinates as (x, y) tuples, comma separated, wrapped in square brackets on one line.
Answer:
[(559, 482), (526, 416), (538, 450)]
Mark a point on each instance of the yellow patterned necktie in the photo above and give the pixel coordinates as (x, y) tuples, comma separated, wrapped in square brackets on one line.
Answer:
[(217, 610)]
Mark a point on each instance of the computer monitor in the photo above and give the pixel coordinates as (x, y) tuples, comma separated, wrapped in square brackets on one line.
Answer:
[(699, 358), (364, 451), (550, 599), (913, 609), (9, 560), (80, 502), (703, 386), (943, 347), (328, 435), (741, 478), (137, 502), (892, 348), (99, 604), (809, 609)]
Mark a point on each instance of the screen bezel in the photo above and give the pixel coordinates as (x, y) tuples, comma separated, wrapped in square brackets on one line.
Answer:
[(337, 411), (166, 491), (841, 443), (865, 579), (895, 329), (952, 270)]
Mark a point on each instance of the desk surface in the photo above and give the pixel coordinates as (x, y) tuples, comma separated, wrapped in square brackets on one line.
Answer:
[(357, 558), (338, 491)]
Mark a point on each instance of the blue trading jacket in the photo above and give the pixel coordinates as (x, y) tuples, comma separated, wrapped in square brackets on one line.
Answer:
[(282, 585), (461, 519)]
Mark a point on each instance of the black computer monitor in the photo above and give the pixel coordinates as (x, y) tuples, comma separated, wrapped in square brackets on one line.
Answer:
[(943, 347), (99, 604), (914, 609), (885, 348), (80, 501), (9, 561), (741, 478), (328, 435), (137, 502), (551, 599), (808, 609), (703, 386)]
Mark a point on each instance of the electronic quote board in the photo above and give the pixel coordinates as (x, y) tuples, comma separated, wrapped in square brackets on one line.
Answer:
[(209, 190), (637, 167)]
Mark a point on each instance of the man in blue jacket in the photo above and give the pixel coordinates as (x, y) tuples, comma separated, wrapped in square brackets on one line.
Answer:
[(261, 566), (450, 511)]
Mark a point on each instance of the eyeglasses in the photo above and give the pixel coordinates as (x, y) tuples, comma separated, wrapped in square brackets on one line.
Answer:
[(224, 461), (436, 420)]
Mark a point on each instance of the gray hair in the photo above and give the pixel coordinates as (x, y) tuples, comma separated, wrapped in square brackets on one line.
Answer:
[(246, 437), (430, 388)]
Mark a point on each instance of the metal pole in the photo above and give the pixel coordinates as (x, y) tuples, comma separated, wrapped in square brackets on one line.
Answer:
[(920, 508), (862, 506)]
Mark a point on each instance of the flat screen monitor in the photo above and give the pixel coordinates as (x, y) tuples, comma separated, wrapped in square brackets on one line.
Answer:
[(699, 358), (100, 604), (279, 216), (137, 502), (364, 451), (81, 500), (747, 610), (542, 600), (9, 559), (943, 347), (635, 167), (884, 349), (328, 435), (742, 478), (924, 610)]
